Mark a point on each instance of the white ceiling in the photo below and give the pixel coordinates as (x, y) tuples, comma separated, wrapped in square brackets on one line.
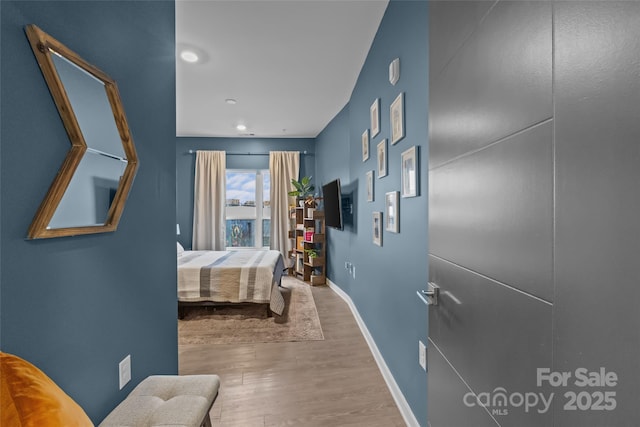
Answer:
[(291, 65)]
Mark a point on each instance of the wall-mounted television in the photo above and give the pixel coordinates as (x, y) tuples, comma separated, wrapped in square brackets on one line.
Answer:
[(332, 199)]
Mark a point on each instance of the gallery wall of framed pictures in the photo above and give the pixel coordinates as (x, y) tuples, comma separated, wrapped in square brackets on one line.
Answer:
[(374, 138)]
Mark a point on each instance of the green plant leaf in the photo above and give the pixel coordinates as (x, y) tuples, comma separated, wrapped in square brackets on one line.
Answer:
[(303, 187)]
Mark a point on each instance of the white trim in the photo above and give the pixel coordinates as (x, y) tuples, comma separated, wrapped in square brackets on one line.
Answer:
[(401, 402)]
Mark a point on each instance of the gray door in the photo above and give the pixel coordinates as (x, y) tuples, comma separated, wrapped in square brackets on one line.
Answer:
[(516, 134), (597, 243), (490, 210)]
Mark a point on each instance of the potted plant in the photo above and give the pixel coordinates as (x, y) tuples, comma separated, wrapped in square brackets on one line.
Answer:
[(313, 256), (303, 190), (312, 253)]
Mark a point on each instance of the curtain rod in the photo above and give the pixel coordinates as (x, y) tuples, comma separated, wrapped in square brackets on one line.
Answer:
[(231, 153)]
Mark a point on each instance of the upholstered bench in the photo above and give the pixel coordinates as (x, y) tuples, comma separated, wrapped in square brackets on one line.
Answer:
[(167, 400)]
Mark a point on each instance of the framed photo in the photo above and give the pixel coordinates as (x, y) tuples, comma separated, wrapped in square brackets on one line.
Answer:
[(392, 220), (374, 112), (397, 118), (299, 263), (377, 228), (370, 193), (410, 172), (365, 145), (382, 158)]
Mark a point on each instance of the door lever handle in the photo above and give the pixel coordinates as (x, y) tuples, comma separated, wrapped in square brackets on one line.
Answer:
[(432, 293)]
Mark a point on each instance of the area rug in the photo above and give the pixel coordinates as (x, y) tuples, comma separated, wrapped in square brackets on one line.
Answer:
[(250, 324)]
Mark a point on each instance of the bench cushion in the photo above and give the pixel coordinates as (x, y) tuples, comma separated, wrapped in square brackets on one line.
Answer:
[(166, 400)]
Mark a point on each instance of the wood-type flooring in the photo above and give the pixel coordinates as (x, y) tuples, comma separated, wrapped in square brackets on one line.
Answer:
[(334, 382)]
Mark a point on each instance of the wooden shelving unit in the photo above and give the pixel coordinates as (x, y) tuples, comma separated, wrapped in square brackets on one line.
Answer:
[(307, 232)]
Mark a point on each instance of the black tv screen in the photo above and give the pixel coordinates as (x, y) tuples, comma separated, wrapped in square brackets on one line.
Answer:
[(331, 197)]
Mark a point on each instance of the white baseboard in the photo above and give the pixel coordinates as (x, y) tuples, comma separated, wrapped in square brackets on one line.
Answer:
[(401, 402)]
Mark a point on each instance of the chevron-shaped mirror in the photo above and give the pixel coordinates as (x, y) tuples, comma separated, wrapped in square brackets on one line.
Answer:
[(90, 190)]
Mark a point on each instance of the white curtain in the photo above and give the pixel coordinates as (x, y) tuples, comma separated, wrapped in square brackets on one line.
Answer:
[(209, 201), (283, 166)]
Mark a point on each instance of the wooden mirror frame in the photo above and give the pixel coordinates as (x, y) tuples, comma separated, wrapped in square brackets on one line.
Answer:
[(42, 45)]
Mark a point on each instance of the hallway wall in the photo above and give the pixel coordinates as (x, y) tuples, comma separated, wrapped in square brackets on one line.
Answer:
[(76, 306)]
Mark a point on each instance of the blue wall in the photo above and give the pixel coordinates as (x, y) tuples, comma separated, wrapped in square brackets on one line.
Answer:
[(185, 166), (387, 277), (333, 154), (76, 306)]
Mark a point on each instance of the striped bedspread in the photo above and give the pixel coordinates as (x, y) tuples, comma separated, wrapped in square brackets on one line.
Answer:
[(231, 276)]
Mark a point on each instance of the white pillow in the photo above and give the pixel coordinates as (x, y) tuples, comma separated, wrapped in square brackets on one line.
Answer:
[(180, 249)]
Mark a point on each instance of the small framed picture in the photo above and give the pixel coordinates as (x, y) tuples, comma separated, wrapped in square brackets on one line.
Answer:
[(374, 112), (370, 193), (410, 172), (299, 263), (377, 228), (391, 202), (382, 158), (365, 145), (397, 118)]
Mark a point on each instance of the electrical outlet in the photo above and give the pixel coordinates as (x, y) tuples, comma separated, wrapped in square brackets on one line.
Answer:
[(124, 371), (351, 269), (422, 355)]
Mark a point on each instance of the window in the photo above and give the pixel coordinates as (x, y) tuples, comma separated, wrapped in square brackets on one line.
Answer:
[(248, 209)]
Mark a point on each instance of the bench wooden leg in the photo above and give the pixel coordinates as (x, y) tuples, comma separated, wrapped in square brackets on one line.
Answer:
[(207, 419)]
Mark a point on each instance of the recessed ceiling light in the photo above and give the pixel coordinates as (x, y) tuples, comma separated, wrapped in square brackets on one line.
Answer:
[(189, 56), (230, 101), (241, 127)]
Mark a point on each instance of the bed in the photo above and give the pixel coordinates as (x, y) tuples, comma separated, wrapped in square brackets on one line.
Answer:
[(230, 277)]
